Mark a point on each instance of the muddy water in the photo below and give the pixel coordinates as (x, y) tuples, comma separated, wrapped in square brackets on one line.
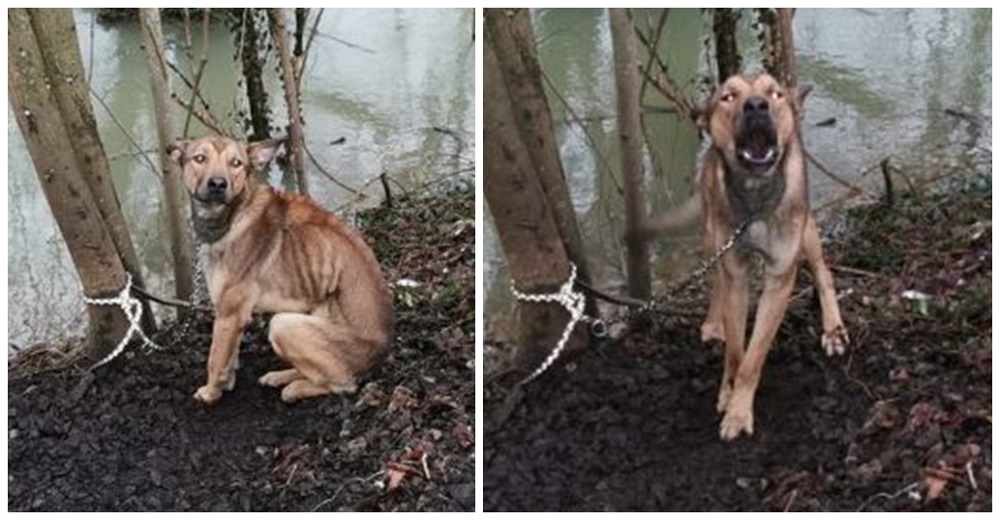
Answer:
[(886, 76), (381, 80)]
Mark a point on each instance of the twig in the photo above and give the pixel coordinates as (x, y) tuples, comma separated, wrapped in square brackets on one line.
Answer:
[(100, 101), (342, 487), (791, 499), (309, 43), (187, 83), (385, 188), (346, 43), (327, 174), (427, 472), (853, 187), (972, 478), (888, 496), (853, 270), (202, 61), (204, 118), (593, 143)]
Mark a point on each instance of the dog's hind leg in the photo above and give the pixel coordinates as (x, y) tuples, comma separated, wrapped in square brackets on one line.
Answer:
[(835, 337), (326, 354)]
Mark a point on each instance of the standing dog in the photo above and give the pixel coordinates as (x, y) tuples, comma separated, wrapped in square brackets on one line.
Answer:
[(754, 173), (281, 253)]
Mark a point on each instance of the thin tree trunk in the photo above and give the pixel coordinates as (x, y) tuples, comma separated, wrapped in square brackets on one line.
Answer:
[(777, 47), (789, 75), (630, 135), (727, 53), (253, 74), (69, 196), (55, 31), (177, 225), (514, 44), (296, 141), (532, 246)]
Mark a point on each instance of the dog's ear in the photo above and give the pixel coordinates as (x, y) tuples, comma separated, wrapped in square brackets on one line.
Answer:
[(262, 152), (799, 94), (177, 149)]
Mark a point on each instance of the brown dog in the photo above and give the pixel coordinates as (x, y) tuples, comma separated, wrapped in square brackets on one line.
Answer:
[(281, 253), (754, 172)]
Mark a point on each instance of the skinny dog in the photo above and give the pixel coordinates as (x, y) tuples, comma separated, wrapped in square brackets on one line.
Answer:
[(281, 253), (754, 173)]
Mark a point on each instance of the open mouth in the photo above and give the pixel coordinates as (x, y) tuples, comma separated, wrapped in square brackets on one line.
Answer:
[(758, 146)]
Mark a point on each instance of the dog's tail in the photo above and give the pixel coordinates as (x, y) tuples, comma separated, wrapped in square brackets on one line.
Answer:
[(672, 220)]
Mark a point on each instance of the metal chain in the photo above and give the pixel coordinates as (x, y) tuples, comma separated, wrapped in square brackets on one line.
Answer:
[(697, 274), (574, 302), (132, 308)]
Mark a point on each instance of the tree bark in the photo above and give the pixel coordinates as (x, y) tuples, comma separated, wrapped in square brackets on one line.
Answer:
[(630, 136), (177, 225), (55, 31), (727, 53), (777, 45), (514, 44), (296, 141), (532, 246), (253, 74), (68, 193)]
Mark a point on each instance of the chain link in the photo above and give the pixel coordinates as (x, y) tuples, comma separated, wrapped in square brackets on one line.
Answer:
[(574, 302), (132, 308)]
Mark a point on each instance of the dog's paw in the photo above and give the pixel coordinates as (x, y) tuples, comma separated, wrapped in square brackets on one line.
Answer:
[(736, 422), (208, 394), (835, 341)]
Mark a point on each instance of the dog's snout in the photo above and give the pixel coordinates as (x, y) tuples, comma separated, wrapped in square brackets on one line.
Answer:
[(217, 185), (755, 105)]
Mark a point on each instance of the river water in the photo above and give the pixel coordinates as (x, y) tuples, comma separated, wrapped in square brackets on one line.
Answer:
[(381, 79), (887, 76)]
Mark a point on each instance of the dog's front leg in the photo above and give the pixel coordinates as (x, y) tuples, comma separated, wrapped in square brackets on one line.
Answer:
[(778, 286), (222, 356), (732, 291)]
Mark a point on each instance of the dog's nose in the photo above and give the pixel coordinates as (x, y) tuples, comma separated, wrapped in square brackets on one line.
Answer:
[(217, 185), (755, 105)]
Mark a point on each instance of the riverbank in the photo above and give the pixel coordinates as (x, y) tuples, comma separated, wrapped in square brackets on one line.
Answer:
[(903, 421), (129, 436)]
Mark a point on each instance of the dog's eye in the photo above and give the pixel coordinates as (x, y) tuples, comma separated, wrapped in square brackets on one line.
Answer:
[(727, 97), (236, 163), (200, 158), (777, 94)]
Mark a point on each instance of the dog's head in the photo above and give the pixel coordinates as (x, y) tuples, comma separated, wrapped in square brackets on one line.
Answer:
[(752, 118), (217, 169)]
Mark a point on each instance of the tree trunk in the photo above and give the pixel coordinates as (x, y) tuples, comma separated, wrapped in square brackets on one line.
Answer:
[(296, 141), (72, 203), (177, 225), (514, 44), (253, 74), (55, 32), (789, 75), (532, 246), (777, 46), (630, 135), (727, 53)]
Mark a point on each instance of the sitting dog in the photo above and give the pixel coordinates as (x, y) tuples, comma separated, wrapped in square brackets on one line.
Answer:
[(274, 252), (754, 173)]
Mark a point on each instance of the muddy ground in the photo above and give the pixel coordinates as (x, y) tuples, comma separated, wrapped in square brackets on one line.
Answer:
[(903, 421), (129, 436)]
